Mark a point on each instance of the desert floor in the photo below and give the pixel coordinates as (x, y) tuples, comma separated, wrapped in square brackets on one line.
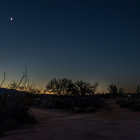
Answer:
[(109, 123)]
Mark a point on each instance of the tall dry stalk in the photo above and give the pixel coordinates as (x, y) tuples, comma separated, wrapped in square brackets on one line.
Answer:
[(3, 80)]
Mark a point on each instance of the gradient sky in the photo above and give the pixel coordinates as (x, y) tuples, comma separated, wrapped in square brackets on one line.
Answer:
[(91, 40)]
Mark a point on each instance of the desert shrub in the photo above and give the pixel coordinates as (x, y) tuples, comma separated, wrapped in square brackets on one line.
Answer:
[(14, 111), (132, 102), (77, 104)]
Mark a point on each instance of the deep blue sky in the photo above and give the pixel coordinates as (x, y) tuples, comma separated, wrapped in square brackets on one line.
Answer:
[(92, 40)]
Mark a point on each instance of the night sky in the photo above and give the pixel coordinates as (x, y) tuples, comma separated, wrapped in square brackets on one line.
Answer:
[(91, 40)]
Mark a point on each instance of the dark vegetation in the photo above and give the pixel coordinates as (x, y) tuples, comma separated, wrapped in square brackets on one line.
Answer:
[(14, 111), (73, 104), (15, 104), (76, 97), (68, 87), (130, 101), (127, 100), (69, 96)]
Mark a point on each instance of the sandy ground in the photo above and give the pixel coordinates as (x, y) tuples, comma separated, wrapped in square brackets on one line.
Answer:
[(110, 123)]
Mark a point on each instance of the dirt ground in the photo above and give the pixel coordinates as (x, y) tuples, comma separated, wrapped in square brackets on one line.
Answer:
[(110, 123)]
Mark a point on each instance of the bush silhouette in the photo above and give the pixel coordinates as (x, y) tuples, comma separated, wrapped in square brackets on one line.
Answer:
[(65, 86), (14, 111)]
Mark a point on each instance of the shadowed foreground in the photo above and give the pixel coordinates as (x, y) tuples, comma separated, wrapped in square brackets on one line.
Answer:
[(109, 123)]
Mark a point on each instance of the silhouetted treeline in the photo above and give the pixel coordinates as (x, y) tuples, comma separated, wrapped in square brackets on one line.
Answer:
[(65, 86)]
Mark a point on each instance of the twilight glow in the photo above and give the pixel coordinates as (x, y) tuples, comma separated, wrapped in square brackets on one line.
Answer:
[(95, 41)]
